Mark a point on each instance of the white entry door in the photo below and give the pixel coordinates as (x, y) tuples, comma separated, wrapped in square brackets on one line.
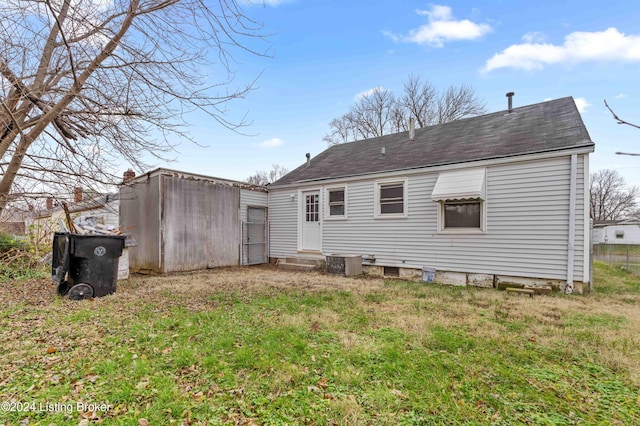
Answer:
[(311, 220)]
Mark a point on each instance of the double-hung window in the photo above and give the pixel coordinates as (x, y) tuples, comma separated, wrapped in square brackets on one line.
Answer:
[(391, 198), (336, 202)]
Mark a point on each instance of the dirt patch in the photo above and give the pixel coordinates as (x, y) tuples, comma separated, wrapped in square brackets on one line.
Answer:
[(242, 282), (194, 288)]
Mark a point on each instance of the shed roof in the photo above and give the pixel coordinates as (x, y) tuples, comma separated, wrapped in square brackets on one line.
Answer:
[(195, 176), (544, 127)]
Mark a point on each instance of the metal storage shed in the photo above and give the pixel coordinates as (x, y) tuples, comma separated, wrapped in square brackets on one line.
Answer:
[(183, 221)]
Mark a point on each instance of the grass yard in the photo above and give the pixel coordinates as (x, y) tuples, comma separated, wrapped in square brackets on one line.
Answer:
[(260, 346)]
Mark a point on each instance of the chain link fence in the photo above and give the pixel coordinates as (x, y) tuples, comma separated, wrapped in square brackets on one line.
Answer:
[(623, 256)]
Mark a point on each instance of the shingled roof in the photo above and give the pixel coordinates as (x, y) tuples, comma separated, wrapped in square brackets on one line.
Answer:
[(544, 127)]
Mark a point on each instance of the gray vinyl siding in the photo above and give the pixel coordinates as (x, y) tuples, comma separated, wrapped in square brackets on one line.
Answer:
[(526, 234), (253, 199), (283, 222)]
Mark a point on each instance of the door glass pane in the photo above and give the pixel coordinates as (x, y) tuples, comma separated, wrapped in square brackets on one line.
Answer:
[(312, 208)]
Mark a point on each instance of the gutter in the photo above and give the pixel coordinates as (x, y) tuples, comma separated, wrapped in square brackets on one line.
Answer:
[(482, 162)]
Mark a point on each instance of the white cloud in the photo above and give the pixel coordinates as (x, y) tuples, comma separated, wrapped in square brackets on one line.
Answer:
[(579, 46), (621, 95), (581, 104), (534, 37), (436, 13), (368, 92), (271, 143), (442, 27)]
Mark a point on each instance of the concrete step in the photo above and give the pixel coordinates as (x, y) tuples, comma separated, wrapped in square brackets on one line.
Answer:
[(514, 290), (530, 290), (290, 266), (317, 261)]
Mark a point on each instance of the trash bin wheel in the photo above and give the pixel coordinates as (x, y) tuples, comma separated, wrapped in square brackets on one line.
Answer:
[(63, 288), (80, 291)]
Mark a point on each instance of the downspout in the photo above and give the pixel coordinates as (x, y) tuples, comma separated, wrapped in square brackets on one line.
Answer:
[(572, 224)]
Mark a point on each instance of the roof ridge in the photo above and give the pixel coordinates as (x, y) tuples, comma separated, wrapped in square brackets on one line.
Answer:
[(542, 127)]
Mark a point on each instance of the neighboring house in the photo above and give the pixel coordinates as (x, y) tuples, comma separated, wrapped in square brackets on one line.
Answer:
[(99, 209), (183, 221), (102, 209), (498, 198), (617, 232), (15, 221)]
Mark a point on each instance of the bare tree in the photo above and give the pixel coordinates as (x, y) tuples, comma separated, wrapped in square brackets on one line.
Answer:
[(610, 198), (458, 102), (342, 130), (380, 112), (85, 81), (419, 100), (263, 177)]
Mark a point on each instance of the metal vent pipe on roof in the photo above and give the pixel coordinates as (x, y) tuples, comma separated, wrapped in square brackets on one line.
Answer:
[(510, 103), (308, 159)]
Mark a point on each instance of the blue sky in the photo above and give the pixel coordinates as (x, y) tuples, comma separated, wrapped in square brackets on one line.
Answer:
[(323, 53)]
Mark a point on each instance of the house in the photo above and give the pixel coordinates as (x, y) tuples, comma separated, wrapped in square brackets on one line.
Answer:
[(490, 200), (617, 232), (184, 221), (95, 208), (15, 221)]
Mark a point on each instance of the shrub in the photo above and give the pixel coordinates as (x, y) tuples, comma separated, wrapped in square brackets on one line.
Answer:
[(18, 261), (8, 242)]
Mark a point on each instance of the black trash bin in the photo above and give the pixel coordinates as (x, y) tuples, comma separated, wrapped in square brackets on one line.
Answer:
[(86, 265)]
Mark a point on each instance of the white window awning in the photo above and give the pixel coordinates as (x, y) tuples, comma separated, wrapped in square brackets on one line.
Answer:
[(460, 185)]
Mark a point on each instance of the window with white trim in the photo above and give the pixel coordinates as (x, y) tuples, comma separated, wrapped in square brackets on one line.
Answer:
[(463, 214), (391, 198), (461, 196), (337, 202)]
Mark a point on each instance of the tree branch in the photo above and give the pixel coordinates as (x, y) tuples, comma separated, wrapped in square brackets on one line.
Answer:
[(618, 119)]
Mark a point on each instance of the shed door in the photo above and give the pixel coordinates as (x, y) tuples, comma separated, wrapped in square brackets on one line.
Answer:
[(255, 235), (311, 220)]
